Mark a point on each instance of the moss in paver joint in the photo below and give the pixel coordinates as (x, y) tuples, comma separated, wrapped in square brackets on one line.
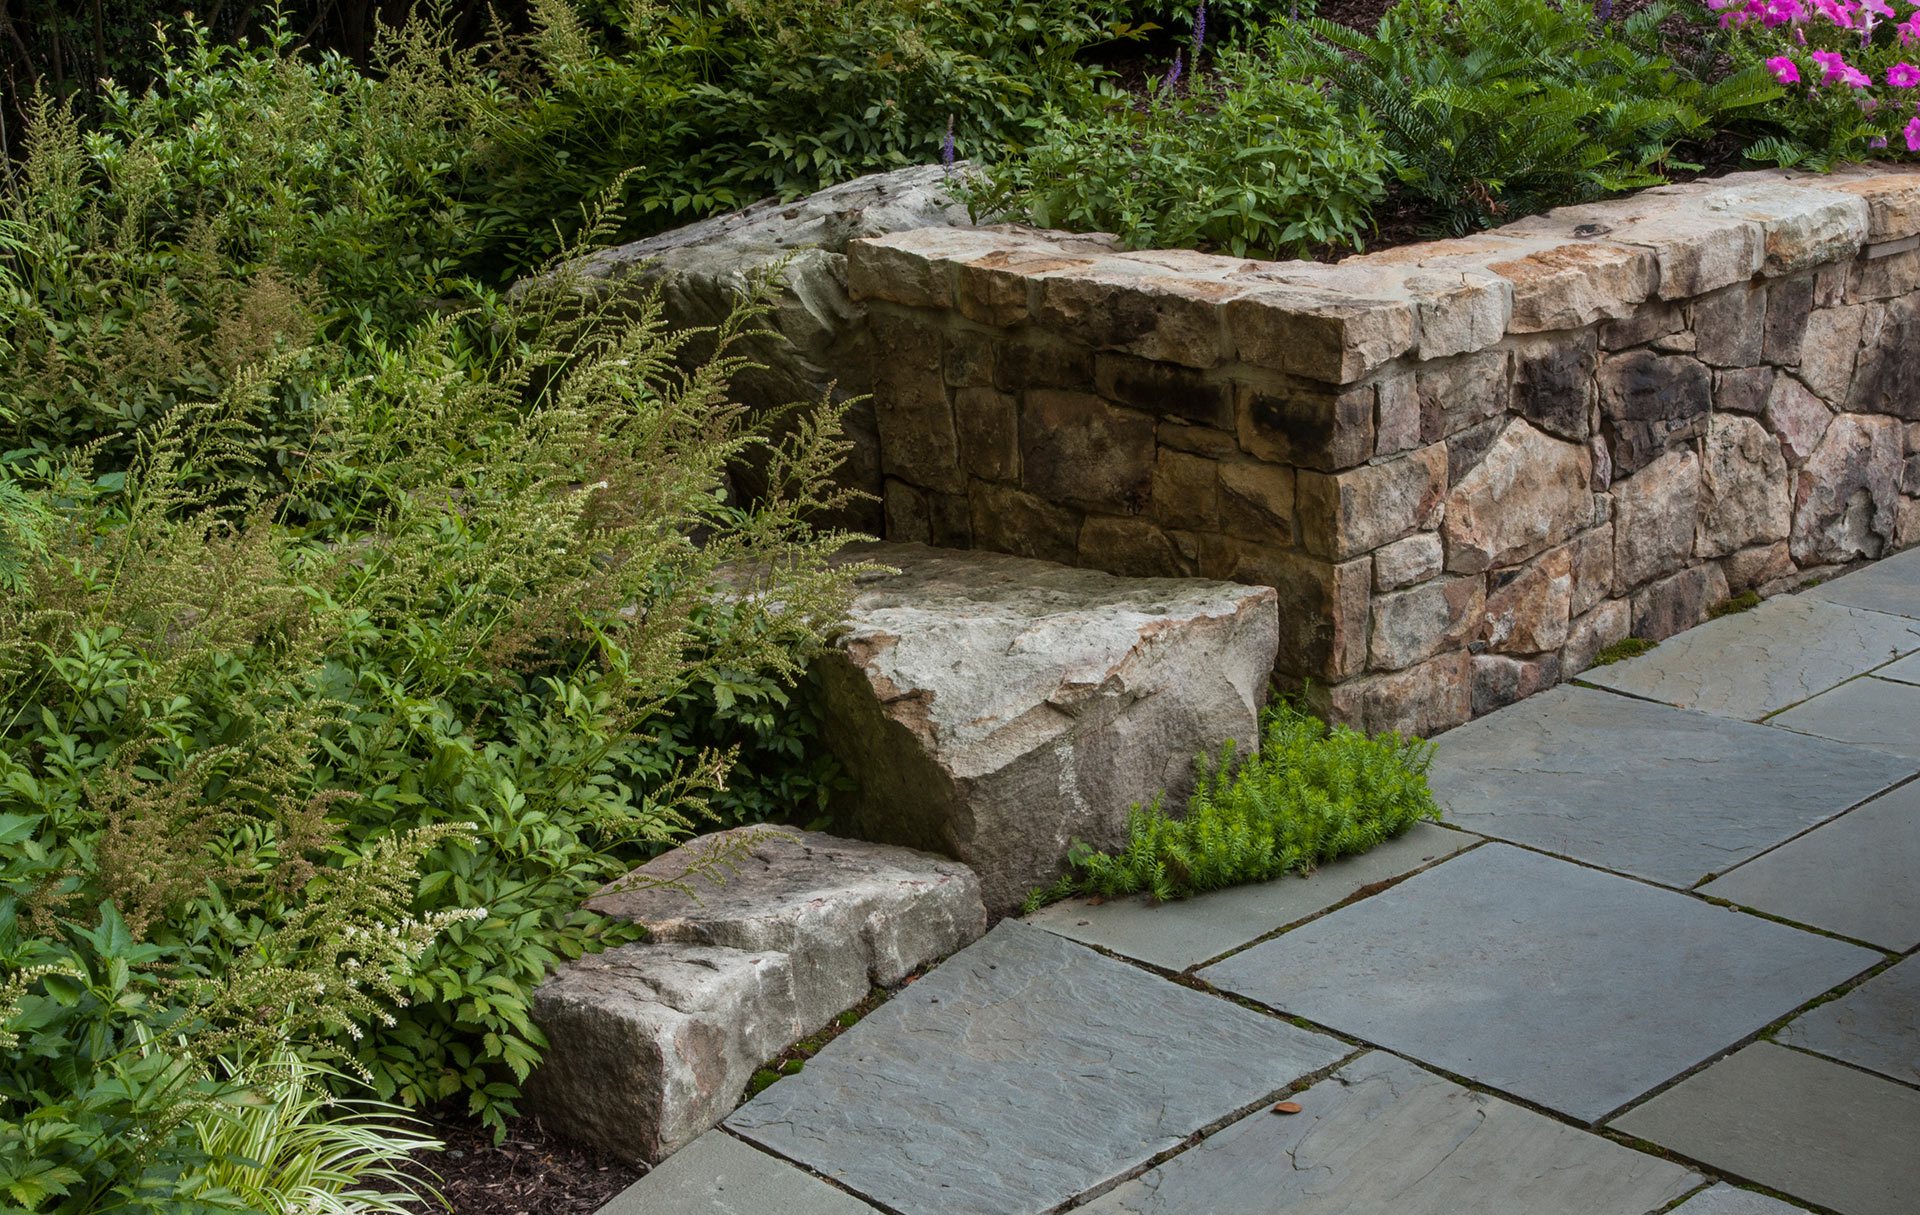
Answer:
[(793, 1060), (1745, 601), (1623, 649)]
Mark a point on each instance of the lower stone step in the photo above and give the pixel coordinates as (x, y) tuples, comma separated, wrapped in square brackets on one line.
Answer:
[(757, 938)]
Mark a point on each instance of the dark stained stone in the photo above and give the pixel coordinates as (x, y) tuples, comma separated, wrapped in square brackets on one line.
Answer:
[(1651, 403), (1730, 324), (1164, 389), (1789, 303), (1076, 448), (1553, 386), (1742, 389), (1023, 1072), (1308, 425), (1032, 360), (1887, 376), (1564, 986), (1466, 449)]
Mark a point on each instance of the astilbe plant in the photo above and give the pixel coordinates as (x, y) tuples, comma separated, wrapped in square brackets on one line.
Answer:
[(1311, 794)]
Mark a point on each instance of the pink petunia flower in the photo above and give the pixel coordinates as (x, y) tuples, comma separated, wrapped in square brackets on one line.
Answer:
[(1903, 76), (1785, 70), (1836, 11), (1853, 77), (1913, 134), (1909, 30)]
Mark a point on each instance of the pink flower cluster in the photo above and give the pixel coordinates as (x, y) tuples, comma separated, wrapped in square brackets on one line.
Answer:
[(1847, 23)]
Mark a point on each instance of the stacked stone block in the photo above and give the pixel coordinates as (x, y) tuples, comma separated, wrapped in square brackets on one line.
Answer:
[(1467, 466)]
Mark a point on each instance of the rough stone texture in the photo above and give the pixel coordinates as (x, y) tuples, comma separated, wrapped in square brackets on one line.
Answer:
[(1798, 418), (1605, 625), (1753, 663), (1878, 713), (1499, 680), (1346, 514), (817, 346), (1412, 626), (1745, 494), (1677, 603), (1725, 1200), (649, 1045), (1656, 512), (1758, 568), (1876, 847), (1418, 702), (1455, 394), (1828, 351), (1846, 495), (996, 710), (1528, 494), (1030, 1070), (1528, 610), (1383, 1135), (1553, 386), (1742, 390), (1405, 562), (1892, 585), (850, 915), (1823, 1133), (1873, 1026), (1643, 789), (1652, 403), (1885, 379), (1179, 936), (1505, 967), (717, 1174), (1730, 326)]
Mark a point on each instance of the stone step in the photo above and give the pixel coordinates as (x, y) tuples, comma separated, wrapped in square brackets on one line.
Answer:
[(757, 938), (997, 709)]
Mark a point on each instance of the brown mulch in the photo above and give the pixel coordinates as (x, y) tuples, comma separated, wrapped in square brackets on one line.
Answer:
[(530, 1173)]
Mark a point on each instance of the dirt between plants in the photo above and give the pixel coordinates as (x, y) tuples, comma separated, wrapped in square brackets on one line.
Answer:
[(530, 1173)]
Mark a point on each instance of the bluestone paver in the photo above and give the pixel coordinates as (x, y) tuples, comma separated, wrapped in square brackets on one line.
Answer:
[(1725, 1200), (1875, 1026), (1175, 936), (1907, 670), (1879, 713), (1644, 789), (1854, 876), (1571, 988), (717, 1174), (1750, 664), (1382, 1135), (1891, 584), (1823, 1133), (1023, 1071)]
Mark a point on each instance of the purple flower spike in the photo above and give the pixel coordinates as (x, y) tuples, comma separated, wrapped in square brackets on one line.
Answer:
[(1173, 73), (947, 146), (1199, 31)]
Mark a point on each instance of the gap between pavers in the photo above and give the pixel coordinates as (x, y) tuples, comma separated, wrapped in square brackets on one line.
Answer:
[(1880, 713), (1180, 935), (1891, 584), (717, 1174), (1875, 1026), (1819, 1131)]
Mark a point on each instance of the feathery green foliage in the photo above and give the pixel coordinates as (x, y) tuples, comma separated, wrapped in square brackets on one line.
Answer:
[(1313, 793)]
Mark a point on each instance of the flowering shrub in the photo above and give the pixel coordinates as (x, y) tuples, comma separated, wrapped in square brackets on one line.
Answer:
[(1849, 69)]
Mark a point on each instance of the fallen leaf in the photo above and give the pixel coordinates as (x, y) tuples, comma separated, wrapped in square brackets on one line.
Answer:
[(1287, 1107)]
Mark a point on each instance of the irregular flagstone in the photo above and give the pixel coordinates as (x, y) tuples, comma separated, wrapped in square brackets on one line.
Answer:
[(1725, 1200), (1907, 670), (1753, 663), (1024, 1071), (1176, 936), (1382, 1135), (1816, 1130), (1570, 988), (850, 915), (1879, 713), (1853, 876), (997, 709), (1637, 787), (1889, 585), (717, 1174), (1875, 1026)]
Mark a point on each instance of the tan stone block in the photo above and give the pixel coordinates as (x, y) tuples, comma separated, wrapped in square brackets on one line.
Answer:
[(1323, 604), (1528, 494), (1415, 558), (1656, 512), (1155, 316), (1346, 514), (1310, 425), (1005, 520), (987, 423), (1746, 495), (916, 267), (1757, 567), (1186, 490), (1677, 602), (1199, 440), (1557, 284), (1458, 393), (1592, 561), (1417, 702), (1413, 625), (1396, 415), (1797, 418), (1829, 350), (1501, 679), (1132, 548), (1076, 448), (908, 519), (1892, 195), (1696, 249), (1884, 277), (996, 289), (1257, 500), (1606, 624), (1528, 608)]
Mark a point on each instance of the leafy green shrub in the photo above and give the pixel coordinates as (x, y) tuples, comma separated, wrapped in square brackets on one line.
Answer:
[(1312, 794), (1241, 157), (712, 104), (1493, 109)]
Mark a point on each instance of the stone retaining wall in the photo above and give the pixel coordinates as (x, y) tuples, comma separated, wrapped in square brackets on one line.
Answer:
[(1468, 465)]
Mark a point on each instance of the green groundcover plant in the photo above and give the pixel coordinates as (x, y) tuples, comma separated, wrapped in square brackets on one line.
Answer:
[(1313, 793)]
